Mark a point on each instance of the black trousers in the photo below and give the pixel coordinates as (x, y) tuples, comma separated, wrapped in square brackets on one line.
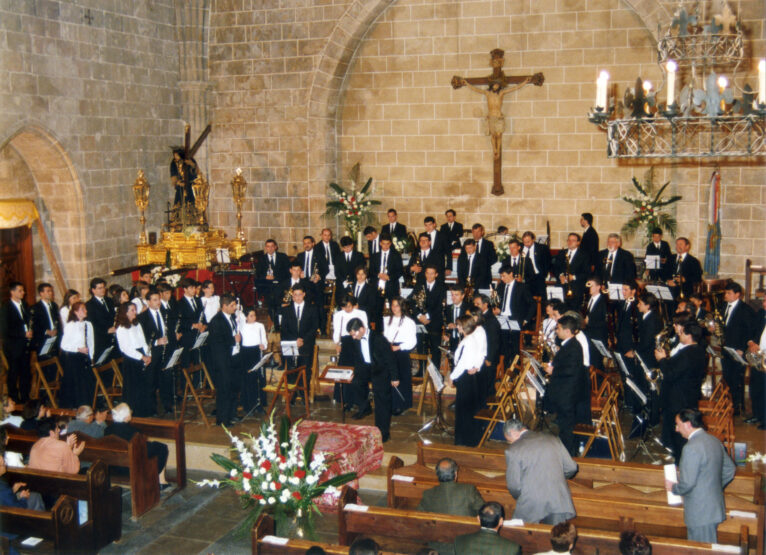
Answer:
[(346, 358), (19, 376), (76, 367), (467, 403), (381, 392), (758, 394), (565, 420), (509, 345), (734, 376), (405, 382), (138, 386), (225, 398)]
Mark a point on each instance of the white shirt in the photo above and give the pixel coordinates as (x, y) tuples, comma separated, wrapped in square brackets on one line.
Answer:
[(212, 305), (593, 301), (21, 314), (365, 344), (64, 314), (73, 337), (470, 353), (340, 320), (401, 330), (130, 340), (530, 252), (140, 304), (253, 334), (583, 341)]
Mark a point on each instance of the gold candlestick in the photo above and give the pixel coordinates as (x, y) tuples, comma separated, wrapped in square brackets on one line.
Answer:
[(201, 189), (141, 196), (238, 190)]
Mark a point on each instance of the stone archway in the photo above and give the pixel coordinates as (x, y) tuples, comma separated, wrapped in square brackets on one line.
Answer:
[(60, 192)]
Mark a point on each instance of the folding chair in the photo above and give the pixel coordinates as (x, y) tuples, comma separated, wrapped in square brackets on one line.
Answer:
[(115, 387), (599, 426), (286, 390), (314, 385), (424, 382), (206, 390), (39, 380), (507, 405)]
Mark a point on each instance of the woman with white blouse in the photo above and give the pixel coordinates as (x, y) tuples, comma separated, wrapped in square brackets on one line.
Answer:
[(211, 303), (70, 297), (344, 343), (254, 343), (137, 378), (469, 359), (401, 332), (76, 357)]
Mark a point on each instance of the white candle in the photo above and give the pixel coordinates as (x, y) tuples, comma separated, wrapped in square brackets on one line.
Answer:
[(762, 82), (671, 67), (239, 171), (601, 87)]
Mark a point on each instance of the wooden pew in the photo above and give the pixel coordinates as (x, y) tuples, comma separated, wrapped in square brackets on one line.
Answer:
[(104, 501), (58, 526), (115, 452), (650, 516), (172, 430), (421, 527), (264, 542), (747, 485)]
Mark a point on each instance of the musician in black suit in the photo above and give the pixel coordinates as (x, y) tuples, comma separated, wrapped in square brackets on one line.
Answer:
[(225, 342), (758, 375), (459, 307), (393, 227), (471, 266), (296, 278), (373, 240), (366, 295), (595, 315), (347, 263), (274, 267), (539, 260), (430, 311), (189, 322), (439, 243), (484, 247), (156, 332), (572, 268), (589, 243), (452, 229), (374, 362), (515, 305), (517, 262), (101, 314), (328, 248), (16, 333), (660, 248), (46, 322), (314, 271), (625, 335), (386, 268), (681, 377), (565, 388), (492, 330), (425, 256), (649, 325), (615, 264), (299, 322), (739, 329), (686, 271)]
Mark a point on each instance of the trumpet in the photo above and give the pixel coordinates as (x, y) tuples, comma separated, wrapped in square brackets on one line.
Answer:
[(662, 341), (416, 261), (469, 286), (756, 360), (287, 297), (715, 324), (315, 277), (567, 270), (679, 279)]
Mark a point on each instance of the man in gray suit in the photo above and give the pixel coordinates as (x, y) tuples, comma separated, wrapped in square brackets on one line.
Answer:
[(537, 468), (450, 497), (487, 540), (705, 470)]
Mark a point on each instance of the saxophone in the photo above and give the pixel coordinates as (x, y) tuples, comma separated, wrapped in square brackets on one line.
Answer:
[(315, 277), (417, 261)]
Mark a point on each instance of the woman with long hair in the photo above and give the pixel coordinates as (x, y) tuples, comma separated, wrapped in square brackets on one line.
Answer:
[(77, 357), (70, 297), (137, 379), (401, 332), (469, 359)]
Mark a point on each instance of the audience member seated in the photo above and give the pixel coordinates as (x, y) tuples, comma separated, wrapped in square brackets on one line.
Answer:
[(8, 417), (450, 497), (87, 423), (52, 453), (34, 414), (11, 458), (563, 538), (121, 427), (364, 546), (16, 495), (487, 540), (634, 543)]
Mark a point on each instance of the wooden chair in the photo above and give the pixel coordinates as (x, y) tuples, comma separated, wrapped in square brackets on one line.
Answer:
[(115, 388), (314, 385), (286, 390), (424, 382), (508, 405), (600, 427), (206, 390), (39, 381)]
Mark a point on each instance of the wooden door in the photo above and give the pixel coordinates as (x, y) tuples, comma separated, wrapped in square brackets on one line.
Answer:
[(17, 261)]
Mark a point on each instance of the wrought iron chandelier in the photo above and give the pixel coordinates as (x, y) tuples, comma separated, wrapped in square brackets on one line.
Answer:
[(713, 116)]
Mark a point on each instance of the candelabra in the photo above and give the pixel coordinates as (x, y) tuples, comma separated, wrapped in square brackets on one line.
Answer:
[(238, 190), (201, 189), (141, 197)]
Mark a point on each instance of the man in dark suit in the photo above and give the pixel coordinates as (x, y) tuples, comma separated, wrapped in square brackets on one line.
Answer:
[(190, 325), (366, 295), (572, 268), (681, 377), (595, 315), (296, 278), (515, 306), (739, 329), (565, 388), (169, 310), (492, 331), (16, 333), (314, 271), (393, 227), (537, 468), (758, 375), (705, 470), (101, 314), (471, 267), (373, 240), (626, 337), (299, 322), (328, 248), (374, 362), (386, 269), (686, 271), (425, 256), (615, 264), (459, 307), (452, 230), (660, 248), (46, 322), (274, 267), (439, 242), (347, 263), (225, 342), (430, 312), (155, 327), (589, 243), (487, 539), (484, 248), (538, 257)]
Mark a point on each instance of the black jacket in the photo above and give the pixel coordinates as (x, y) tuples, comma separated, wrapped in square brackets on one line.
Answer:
[(41, 324), (589, 244), (367, 299), (740, 327), (597, 327), (434, 305), (453, 235), (623, 268), (306, 329), (690, 269), (281, 268), (102, 318), (479, 271), (318, 263), (400, 231), (394, 269), (492, 329), (221, 341), (566, 384), (12, 329), (665, 272), (522, 307), (383, 365), (346, 270), (682, 376), (648, 328), (625, 329)]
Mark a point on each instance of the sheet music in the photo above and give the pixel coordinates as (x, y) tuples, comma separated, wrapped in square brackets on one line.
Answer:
[(672, 476), (621, 364), (665, 293), (201, 338), (289, 348), (222, 255), (601, 348), (652, 261), (174, 358), (736, 356), (487, 292), (331, 273), (436, 376), (339, 373), (264, 359), (103, 356), (420, 328), (615, 292), (536, 367), (47, 345), (640, 394), (406, 292), (555, 292), (503, 321)]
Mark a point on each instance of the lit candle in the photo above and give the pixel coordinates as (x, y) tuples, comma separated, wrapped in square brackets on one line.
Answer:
[(762, 82), (722, 83), (671, 67), (601, 86), (239, 171)]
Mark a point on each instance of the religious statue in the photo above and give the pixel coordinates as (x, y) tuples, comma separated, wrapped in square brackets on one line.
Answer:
[(496, 90), (183, 173)]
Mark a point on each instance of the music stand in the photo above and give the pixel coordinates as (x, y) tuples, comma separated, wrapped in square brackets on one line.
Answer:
[(437, 422), (644, 416), (174, 358), (338, 374)]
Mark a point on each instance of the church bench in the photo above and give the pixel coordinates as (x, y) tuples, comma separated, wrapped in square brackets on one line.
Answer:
[(104, 501), (58, 526), (422, 527), (265, 543), (114, 452), (172, 430), (747, 485), (650, 516)]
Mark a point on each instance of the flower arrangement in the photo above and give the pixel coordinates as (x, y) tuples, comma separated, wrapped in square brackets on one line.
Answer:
[(756, 457), (402, 246), (501, 247), (354, 206), (647, 208), (275, 473), (157, 276)]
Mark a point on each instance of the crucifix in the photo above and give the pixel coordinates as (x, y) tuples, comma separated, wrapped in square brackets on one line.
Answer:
[(498, 86), (183, 172)]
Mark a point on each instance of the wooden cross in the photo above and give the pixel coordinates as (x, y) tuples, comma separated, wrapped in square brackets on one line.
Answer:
[(497, 81), (189, 152)]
